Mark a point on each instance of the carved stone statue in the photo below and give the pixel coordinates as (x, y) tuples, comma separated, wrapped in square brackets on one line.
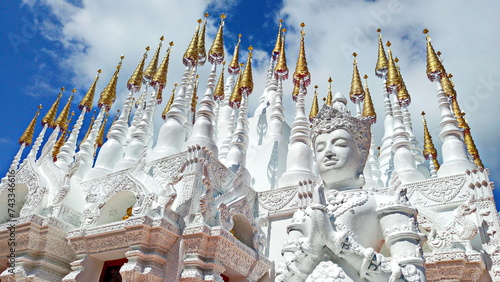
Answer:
[(339, 237)]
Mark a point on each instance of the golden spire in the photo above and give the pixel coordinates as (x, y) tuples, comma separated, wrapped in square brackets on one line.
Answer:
[(448, 86), (160, 77), (382, 63), (235, 98), (135, 81), (60, 142), (430, 152), (433, 63), (277, 46), (219, 88), (404, 97), (27, 135), (314, 106), (190, 58), (471, 146), (357, 93), (159, 96), (246, 84), (295, 92), (51, 114), (459, 115), (61, 120), (392, 82), (234, 67), (194, 98), (368, 110), (108, 95), (329, 95), (89, 128), (169, 104), (153, 65), (301, 70), (100, 135), (281, 69), (88, 99), (202, 53), (216, 52)]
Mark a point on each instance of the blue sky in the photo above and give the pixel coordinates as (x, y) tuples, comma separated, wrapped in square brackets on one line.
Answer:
[(49, 44)]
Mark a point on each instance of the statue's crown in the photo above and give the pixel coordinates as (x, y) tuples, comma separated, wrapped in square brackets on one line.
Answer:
[(332, 118)]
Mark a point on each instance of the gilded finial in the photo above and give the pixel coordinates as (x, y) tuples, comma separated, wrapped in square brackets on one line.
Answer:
[(50, 116), (404, 97), (246, 84), (190, 58), (301, 71), (61, 120), (202, 53), (234, 67), (471, 146), (392, 83), (89, 128), (153, 64), (108, 95), (88, 99), (27, 135), (382, 63), (329, 95), (57, 146), (277, 46), (135, 81), (434, 66), (357, 94), (368, 109), (447, 84), (216, 51), (235, 98), (159, 80), (169, 104), (430, 152), (100, 135), (281, 69), (314, 106), (219, 88)]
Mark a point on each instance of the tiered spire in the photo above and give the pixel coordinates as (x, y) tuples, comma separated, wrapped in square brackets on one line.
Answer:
[(99, 140), (169, 104), (368, 109), (219, 89), (49, 118), (404, 98), (393, 84), (281, 69), (314, 105), (216, 52), (88, 99), (202, 53), (434, 67), (108, 95), (430, 152), (153, 65), (92, 119), (301, 71), (277, 46), (27, 135), (62, 120), (234, 66), (382, 63), (190, 58), (357, 92), (246, 84), (135, 82), (159, 80), (62, 139), (329, 95)]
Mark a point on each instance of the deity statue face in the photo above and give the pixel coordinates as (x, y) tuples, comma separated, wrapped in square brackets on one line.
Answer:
[(338, 159)]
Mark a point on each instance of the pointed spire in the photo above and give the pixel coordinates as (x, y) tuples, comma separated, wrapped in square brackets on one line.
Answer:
[(314, 106), (281, 69), (235, 98), (382, 63), (169, 104), (27, 135), (430, 152), (448, 86), (153, 65), (194, 98), (88, 99), (160, 77), (392, 83), (62, 139), (202, 53), (301, 70), (404, 97), (108, 95), (277, 46), (434, 66), (216, 52), (51, 114), (89, 129), (62, 120), (246, 85), (471, 146), (190, 58), (357, 93), (100, 135), (219, 88), (135, 81), (368, 110), (234, 67), (329, 95)]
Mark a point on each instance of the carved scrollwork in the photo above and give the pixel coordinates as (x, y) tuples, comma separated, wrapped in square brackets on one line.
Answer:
[(441, 191), (274, 200)]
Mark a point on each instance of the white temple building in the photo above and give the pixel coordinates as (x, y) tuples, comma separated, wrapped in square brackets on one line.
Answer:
[(211, 196)]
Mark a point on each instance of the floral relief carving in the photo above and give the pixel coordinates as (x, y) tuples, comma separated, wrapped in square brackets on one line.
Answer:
[(274, 200)]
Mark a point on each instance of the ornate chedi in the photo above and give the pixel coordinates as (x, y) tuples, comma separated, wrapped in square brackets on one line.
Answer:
[(221, 196)]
